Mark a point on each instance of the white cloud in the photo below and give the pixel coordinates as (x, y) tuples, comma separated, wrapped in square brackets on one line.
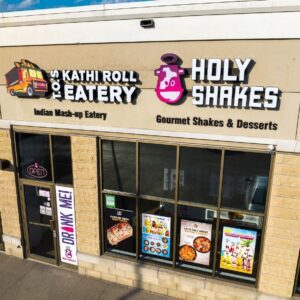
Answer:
[(110, 1), (22, 4)]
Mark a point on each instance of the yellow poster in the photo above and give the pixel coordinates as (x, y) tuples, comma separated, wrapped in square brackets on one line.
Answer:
[(238, 249)]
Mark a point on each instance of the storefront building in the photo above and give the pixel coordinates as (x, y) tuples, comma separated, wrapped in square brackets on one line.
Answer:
[(155, 144)]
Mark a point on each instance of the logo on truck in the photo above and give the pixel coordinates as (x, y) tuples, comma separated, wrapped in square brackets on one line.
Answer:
[(26, 79), (169, 88)]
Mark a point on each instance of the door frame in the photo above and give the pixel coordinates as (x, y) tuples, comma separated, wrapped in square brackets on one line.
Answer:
[(54, 228), (2, 248)]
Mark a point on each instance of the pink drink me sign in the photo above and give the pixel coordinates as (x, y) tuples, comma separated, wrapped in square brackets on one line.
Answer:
[(169, 88)]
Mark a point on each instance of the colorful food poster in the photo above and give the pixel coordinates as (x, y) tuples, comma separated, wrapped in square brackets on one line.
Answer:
[(119, 229), (156, 236), (195, 242), (238, 249)]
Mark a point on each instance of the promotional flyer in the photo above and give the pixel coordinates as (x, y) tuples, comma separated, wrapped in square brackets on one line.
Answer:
[(195, 242), (66, 224), (119, 224), (156, 235), (238, 249)]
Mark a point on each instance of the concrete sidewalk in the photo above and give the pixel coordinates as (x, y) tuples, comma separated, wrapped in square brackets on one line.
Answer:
[(26, 279)]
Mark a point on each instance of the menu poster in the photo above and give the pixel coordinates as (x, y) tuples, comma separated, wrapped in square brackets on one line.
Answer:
[(156, 236), (238, 249), (119, 233), (195, 242)]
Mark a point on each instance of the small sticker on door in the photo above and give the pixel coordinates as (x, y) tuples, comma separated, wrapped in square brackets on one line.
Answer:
[(44, 193), (48, 211), (42, 210)]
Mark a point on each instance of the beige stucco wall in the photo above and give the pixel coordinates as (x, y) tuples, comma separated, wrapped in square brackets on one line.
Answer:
[(277, 63), (282, 240), (8, 200), (84, 159)]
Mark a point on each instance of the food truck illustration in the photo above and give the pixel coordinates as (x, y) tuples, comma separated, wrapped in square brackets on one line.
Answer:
[(26, 80)]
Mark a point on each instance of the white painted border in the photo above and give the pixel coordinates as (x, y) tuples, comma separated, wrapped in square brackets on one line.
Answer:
[(175, 20), (280, 144), (224, 27)]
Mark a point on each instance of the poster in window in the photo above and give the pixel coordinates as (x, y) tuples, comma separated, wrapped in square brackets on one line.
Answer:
[(195, 242), (156, 236), (238, 249), (119, 233)]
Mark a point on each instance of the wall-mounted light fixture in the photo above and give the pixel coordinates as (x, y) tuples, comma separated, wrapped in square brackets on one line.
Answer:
[(272, 148), (149, 23), (5, 165)]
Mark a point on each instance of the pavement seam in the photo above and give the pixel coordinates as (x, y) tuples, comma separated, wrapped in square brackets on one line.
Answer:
[(100, 296)]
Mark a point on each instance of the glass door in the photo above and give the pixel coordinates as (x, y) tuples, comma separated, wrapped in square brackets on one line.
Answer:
[(39, 216)]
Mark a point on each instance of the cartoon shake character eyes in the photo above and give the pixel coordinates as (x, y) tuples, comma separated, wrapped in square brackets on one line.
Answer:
[(169, 88)]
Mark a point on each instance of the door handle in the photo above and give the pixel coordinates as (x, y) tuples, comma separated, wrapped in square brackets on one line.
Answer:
[(52, 225)]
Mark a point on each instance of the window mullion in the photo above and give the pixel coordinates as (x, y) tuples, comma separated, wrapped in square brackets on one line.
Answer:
[(218, 212)]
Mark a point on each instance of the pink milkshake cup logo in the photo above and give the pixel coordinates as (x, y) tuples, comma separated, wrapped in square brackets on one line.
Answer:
[(169, 88)]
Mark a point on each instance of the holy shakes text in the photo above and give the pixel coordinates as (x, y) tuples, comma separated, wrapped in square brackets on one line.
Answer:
[(233, 95)]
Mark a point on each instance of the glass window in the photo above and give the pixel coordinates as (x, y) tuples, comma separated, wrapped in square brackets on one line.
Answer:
[(62, 160), (196, 231), (156, 230), (220, 241), (297, 283), (118, 163), (199, 175), (32, 73), (239, 236), (38, 203), (120, 224), (39, 75), (245, 180), (34, 156), (158, 170)]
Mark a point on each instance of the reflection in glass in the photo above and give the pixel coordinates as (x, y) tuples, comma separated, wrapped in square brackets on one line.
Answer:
[(245, 180), (199, 175), (240, 237), (41, 240), (158, 170), (38, 204), (196, 237), (156, 237), (118, 166), (34, 156), (298, 284), (120, 224), (62, 160)]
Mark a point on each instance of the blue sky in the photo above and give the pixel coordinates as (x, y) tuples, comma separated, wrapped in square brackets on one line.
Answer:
[(18, 5)]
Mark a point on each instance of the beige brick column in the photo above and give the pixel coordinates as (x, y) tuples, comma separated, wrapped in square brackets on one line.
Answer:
[(8, 200), (84, 156), (282, 240)]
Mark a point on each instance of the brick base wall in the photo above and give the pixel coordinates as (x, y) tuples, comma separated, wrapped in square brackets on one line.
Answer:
[(165, 281), (8, 201), (282, 238)]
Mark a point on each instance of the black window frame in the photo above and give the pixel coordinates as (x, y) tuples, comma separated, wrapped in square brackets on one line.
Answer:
[(296, 290), (248, 280), (53, 179)]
